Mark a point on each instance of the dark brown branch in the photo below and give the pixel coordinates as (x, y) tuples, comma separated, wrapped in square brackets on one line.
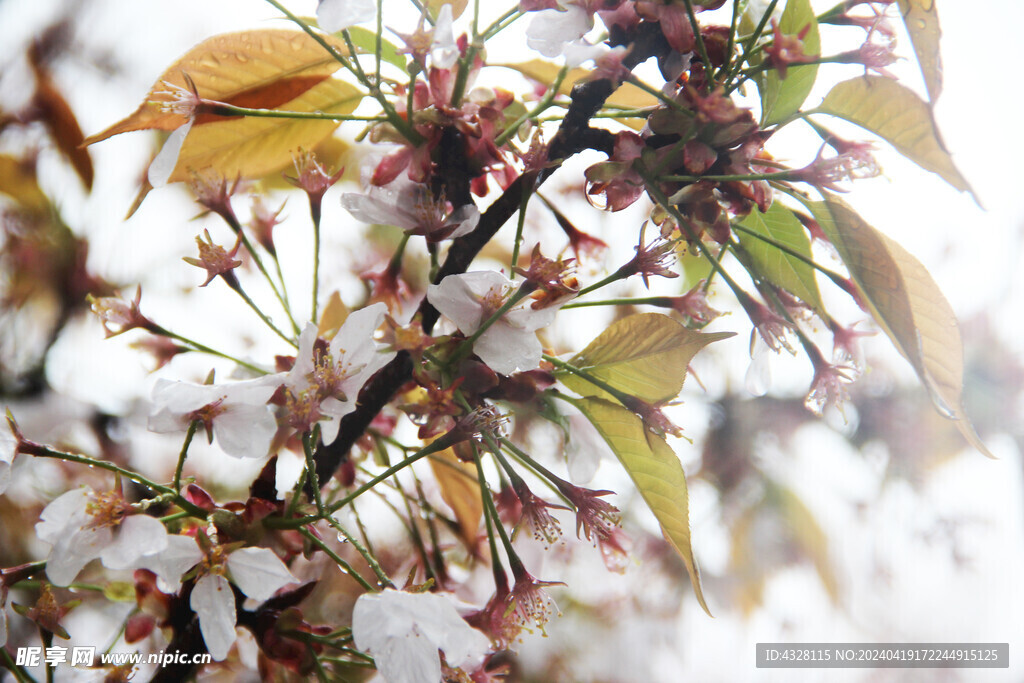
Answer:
[(574, 135)]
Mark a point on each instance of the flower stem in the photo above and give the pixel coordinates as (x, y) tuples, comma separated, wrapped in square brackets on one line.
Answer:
[(337, 559), (202, 348), (184, 454), (41, 451), (263, 316)]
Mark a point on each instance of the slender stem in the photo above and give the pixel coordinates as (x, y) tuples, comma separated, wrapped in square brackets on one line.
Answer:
[(668, 101), (400, 124), (621, 396), (184, 454), (501, 23), (382, 576), (749, 43), (338, 560), (488, 501), (731, 43), (662, 301), (467, 344), (19, 672), (263, 316), (202, 348), (316, 265), (520, 224), (830, 274), (701, 48), (542, 105), (284, 294), (40, 451), (225, 109), (438, 445), (307, 449)]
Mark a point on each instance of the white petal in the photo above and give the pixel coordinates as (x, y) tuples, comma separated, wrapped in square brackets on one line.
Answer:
[(550, 29), (458, 297), (64, 515), (245, 431), (8, 447), (213, 600), (404, 631), (163, 165), (335, 15), (73, 551), (376, 208), (465, 218), (443, 50), (258, 572), (182, 553), (138, 535), (508, 349), (408, 659)]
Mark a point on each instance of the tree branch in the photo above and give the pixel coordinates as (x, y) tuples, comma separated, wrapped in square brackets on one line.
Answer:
[(574, 135)]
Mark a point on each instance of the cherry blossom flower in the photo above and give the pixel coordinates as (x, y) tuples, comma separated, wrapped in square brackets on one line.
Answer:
[(412, 207), (327, 376), (535, 515), (239, 411), (403, 631), (82, 525), (337, 15), (787, 49), (551, 31), (257, 572), (9, 443), (181, 554), (529, 600), (828, 388), (510, 344), (112, 310), (216, 260), (855, 164)]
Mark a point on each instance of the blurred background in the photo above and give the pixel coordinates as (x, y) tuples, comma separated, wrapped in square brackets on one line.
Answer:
[(880, 527)]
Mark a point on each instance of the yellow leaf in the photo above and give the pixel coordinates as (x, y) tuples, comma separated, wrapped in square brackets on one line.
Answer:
[(259, 69), (806, 532), (460, 489), (907, 304), (332, 317), (458, 7), (643, 355), (18, 181), (896, 114), (655, 470), (922, 21), (254, 146)]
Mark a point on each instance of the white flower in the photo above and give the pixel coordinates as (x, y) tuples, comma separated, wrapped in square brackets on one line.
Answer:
[(412, 207), (337, 15), (551, 30), (82, 525), (510, 344), (404, 631), (244, 422), (8, 449), (443, 50), (257, 572), (181, 554), (325, 383)]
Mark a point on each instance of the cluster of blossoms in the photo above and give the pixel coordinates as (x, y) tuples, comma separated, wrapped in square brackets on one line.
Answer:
[(696, 154)]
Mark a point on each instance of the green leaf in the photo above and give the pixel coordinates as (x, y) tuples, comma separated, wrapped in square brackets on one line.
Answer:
[(906, 303), (655, 470), (922, 21), (366, 41), (781, 268), (896, 114), (643, 355), (781, 98)]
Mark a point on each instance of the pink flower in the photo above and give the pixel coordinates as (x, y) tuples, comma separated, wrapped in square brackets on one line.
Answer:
[(787, 49), (412, 207), (82, 525), (829, 385), (767, 323), (855, 164), (510, 344), (694, 305), (528, 599), (123, 316), (655, 258), (535, 515), (616, 179), (216, 260)]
